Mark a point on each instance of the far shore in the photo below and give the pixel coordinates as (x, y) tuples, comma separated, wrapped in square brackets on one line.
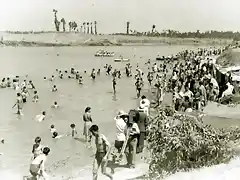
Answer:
[(61, 39)]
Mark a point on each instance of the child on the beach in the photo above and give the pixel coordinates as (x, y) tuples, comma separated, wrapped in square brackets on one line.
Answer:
[(37, 147)]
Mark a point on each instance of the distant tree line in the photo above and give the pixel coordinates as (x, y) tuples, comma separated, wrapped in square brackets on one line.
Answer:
[(177, 34)]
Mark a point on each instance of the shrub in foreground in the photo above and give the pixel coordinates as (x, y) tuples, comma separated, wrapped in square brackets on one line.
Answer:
[(182, 142)]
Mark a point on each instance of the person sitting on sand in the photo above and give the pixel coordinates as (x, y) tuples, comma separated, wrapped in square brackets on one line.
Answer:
[(35, 96), (54, 88), (37, 167), (37, 147), (41, 117), (102, 147), (55, 105)]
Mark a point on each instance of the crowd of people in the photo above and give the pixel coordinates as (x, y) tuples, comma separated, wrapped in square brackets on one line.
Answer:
[(191, 80)]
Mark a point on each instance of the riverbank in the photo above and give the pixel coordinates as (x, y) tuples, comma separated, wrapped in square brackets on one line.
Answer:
[(52, 39)]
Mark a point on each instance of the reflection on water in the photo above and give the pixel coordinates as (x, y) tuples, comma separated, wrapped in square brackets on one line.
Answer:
[(19, 131)]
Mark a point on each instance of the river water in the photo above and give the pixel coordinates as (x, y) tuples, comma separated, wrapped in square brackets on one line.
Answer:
[(66, 154)]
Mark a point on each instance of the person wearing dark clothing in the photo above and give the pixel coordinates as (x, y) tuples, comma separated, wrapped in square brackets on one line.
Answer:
[(142, 124)]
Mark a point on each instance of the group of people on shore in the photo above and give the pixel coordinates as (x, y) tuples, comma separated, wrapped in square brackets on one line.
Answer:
[(192, 80)]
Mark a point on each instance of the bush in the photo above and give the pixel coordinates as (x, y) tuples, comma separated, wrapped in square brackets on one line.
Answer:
[(182, 142)]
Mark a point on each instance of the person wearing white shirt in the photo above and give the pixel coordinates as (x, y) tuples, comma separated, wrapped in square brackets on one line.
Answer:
[(121, 128), (228, 91), (145, 104), (134, 133)]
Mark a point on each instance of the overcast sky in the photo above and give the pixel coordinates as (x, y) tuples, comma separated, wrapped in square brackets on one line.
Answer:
[(112, 15)]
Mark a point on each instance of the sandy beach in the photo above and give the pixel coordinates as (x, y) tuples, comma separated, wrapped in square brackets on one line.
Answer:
[(45, 39)]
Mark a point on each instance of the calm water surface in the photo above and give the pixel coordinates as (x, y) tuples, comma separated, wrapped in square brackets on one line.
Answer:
[(19, 133)]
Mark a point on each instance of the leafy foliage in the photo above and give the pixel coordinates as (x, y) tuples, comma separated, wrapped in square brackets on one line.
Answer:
[(181, 142)]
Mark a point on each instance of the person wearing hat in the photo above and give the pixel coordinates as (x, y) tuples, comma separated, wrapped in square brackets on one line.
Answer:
[(121, 128), (87, 118)]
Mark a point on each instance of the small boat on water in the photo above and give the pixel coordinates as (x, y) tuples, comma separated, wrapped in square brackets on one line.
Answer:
[(103, 53), (121, 60), (163, 58)]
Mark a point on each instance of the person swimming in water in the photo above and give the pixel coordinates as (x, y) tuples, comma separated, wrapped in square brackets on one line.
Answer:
[(52, 129), (55, 105), (41, 117), (55, 135), (52, 78), (54, 88)]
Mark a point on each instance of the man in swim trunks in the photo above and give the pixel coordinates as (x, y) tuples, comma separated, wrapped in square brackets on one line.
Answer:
[(101, 145)]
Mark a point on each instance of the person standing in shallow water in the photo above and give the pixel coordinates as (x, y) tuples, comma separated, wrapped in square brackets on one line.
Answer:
[(87, 118), (102, 146), (19, 103), (114, 84)]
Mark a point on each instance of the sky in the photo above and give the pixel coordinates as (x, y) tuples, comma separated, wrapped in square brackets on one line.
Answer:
[(112, 15)]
